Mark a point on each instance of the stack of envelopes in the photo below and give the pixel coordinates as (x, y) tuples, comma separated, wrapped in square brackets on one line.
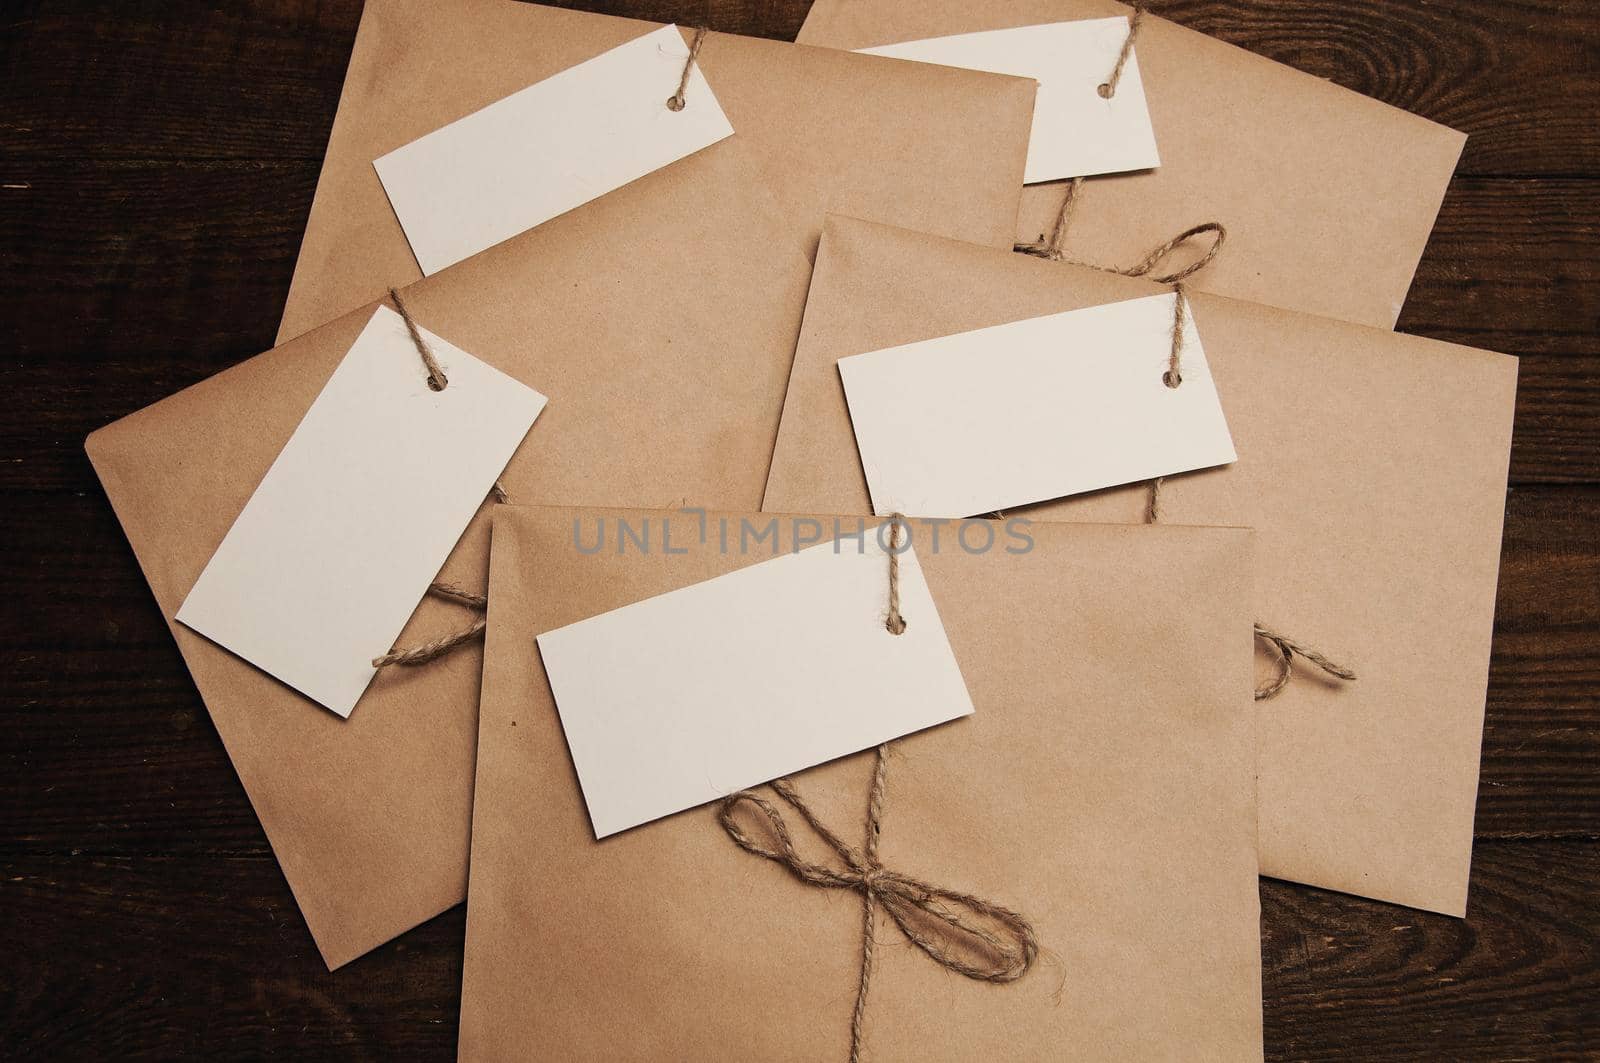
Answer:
[(677, 521)]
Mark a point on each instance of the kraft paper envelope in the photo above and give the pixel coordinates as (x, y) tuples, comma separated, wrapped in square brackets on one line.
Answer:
[(1102, 789), (1328, 196), (665, 381), (932, 149), (1373, 466)]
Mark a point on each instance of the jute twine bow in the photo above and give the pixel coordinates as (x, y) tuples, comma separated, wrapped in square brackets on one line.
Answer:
[(958, 931), (436, 648), (1146, 266), (676, 101)]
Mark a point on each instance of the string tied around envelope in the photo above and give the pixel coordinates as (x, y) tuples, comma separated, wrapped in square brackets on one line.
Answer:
[(959, 931), (1284, 648), (435, 648)]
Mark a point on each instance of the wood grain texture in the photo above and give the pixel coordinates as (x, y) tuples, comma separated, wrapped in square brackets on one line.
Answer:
[(1520, 77), (231, 971), (156, 164)]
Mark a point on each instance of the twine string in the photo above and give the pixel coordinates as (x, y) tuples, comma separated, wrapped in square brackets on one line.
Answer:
[(676, 101), (1286, 650), (896, 624), (436, 648), (1148, 266), (959, 931), (1108, 88), (436, 378)]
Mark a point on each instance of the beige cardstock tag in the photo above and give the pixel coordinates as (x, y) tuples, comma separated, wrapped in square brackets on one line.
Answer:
[(554, 146), (1077, 130), (330, 556), (692, 695), (1033, 410)]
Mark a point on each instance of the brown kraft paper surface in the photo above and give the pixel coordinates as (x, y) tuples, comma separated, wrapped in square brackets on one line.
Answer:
[(1103, 788)]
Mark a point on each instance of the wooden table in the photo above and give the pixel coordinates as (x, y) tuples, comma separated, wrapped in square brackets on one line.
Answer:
[(156, 164)]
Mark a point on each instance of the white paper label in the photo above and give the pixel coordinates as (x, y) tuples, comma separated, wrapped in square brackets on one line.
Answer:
[(1076, 131), (551, 147), (1033, 410), (358, 512), (690, 696)]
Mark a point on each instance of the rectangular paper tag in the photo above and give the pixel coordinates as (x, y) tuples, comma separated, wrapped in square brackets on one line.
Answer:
[(330, 556), (1076, 131), (690, 696), (1033, 410), (551, 147)]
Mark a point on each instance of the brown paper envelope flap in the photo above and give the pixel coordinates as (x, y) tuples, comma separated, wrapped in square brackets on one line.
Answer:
[(665, 381), (1372, 464), (928, 148), (1328, 196), (1103, 789)]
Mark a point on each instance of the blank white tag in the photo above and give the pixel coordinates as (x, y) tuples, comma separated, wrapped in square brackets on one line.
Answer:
[(1076, 131), (690, 696), (551, 147), (1033, 410), (358, 512)]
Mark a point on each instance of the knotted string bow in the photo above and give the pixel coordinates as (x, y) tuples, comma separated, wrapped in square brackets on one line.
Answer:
[(936, 920)]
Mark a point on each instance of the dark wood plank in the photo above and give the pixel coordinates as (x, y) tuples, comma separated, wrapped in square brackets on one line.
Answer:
[(1540, 774), (205, 956), (1511, 267), (1516, 980), (169, 957), (182, 81), (1512, 74)]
